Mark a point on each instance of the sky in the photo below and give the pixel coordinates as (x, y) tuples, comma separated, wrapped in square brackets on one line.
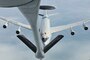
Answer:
[(69, 48)]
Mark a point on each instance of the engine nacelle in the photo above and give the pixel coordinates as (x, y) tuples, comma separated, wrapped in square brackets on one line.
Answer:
[(72, 32), (5, 25), (18, 31), (85, 27)]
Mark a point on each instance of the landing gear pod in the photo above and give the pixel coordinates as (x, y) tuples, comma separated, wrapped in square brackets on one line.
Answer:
[(14, 3)]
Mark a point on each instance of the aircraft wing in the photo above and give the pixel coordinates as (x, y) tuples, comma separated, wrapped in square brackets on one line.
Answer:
[(7, 20), (68, 26)]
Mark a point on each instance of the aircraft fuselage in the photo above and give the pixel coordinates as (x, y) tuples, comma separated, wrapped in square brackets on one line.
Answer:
[(45, 30)]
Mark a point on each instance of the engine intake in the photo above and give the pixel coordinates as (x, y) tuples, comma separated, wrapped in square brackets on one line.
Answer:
[(18, 31), (5, 25), (72, 33), (85, 27)]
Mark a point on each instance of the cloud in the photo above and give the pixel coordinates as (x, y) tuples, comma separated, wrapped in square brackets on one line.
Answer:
[(15, 52)]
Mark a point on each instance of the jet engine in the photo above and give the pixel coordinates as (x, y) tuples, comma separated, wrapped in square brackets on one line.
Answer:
[(85, 27), (72, 32), (18, 31), (5, 25)]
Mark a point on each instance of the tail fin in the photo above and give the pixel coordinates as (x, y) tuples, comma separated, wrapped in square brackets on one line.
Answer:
[(52, 43), (27, 42)]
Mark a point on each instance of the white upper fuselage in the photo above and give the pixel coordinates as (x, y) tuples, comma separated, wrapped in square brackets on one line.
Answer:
[(45, 30)]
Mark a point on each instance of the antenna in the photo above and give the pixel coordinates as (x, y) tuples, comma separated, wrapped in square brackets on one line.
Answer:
[(46, 8)]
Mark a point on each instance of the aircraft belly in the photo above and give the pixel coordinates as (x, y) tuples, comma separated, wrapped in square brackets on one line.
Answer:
[(14, 3)]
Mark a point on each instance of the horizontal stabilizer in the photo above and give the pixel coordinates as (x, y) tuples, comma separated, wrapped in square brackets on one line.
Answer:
[(52, 43), (27, 42)]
